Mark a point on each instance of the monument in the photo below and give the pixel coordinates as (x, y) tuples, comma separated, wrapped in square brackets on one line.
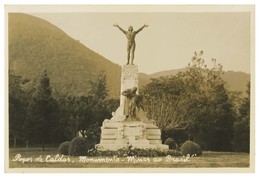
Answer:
[(129, 125)]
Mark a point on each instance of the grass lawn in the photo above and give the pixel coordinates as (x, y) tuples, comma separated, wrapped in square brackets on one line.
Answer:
[(36, 158)]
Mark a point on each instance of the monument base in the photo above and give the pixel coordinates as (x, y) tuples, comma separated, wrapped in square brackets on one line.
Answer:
[(126, 129), (137, 134)]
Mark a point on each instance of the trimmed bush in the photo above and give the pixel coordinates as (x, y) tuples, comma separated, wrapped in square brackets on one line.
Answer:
[(191, 148), (79, 146), (171, 143), (64, 148)]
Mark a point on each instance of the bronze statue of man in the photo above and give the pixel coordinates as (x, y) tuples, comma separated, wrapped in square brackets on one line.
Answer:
[(130, 35), (133, 102)]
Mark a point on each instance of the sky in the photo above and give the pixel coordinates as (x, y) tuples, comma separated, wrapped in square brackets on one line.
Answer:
[(170, 40)]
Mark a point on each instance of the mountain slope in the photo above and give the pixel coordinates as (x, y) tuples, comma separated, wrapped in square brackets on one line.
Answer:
[(167, 73), (235, 80), (35, 45)]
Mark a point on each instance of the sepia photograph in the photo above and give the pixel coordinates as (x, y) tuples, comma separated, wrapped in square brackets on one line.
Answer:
[(138, 88)]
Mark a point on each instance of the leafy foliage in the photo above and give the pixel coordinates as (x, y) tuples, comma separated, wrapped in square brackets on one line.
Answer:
[(171, 142), (41, 119), (85, 114), (191, 148), (241, 137), (17, 105), (64, 148), (195, 100), (179, 135), (79, 146), (99, 88)]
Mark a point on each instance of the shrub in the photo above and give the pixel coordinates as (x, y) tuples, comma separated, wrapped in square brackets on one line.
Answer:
[(191, 148), (179, 135), (78, 146), (64, 148), (173, 153), (171, 143)]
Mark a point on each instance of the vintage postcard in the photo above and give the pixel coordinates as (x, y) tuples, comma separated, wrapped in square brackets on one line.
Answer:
[(150, 88)]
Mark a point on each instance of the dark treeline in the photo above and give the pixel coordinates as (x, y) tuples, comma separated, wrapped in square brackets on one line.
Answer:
[(37, 117), (192, 105)]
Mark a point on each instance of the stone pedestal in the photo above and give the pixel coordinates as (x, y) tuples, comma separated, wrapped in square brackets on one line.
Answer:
[(118, 132), (129, 79), (137, 134)]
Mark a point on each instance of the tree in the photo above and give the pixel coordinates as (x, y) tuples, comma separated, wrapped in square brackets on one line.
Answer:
[(99, 87), (67, 127), (17, 106), (241, 140), (195, 101), (92, 109), (86, 113), (41, 119), (161, 106)]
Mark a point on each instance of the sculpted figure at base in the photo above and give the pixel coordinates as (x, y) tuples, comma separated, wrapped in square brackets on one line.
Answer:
[(130, 35), (133, 103)]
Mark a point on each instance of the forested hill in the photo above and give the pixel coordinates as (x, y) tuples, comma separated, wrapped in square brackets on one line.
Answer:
[(35, 45)]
